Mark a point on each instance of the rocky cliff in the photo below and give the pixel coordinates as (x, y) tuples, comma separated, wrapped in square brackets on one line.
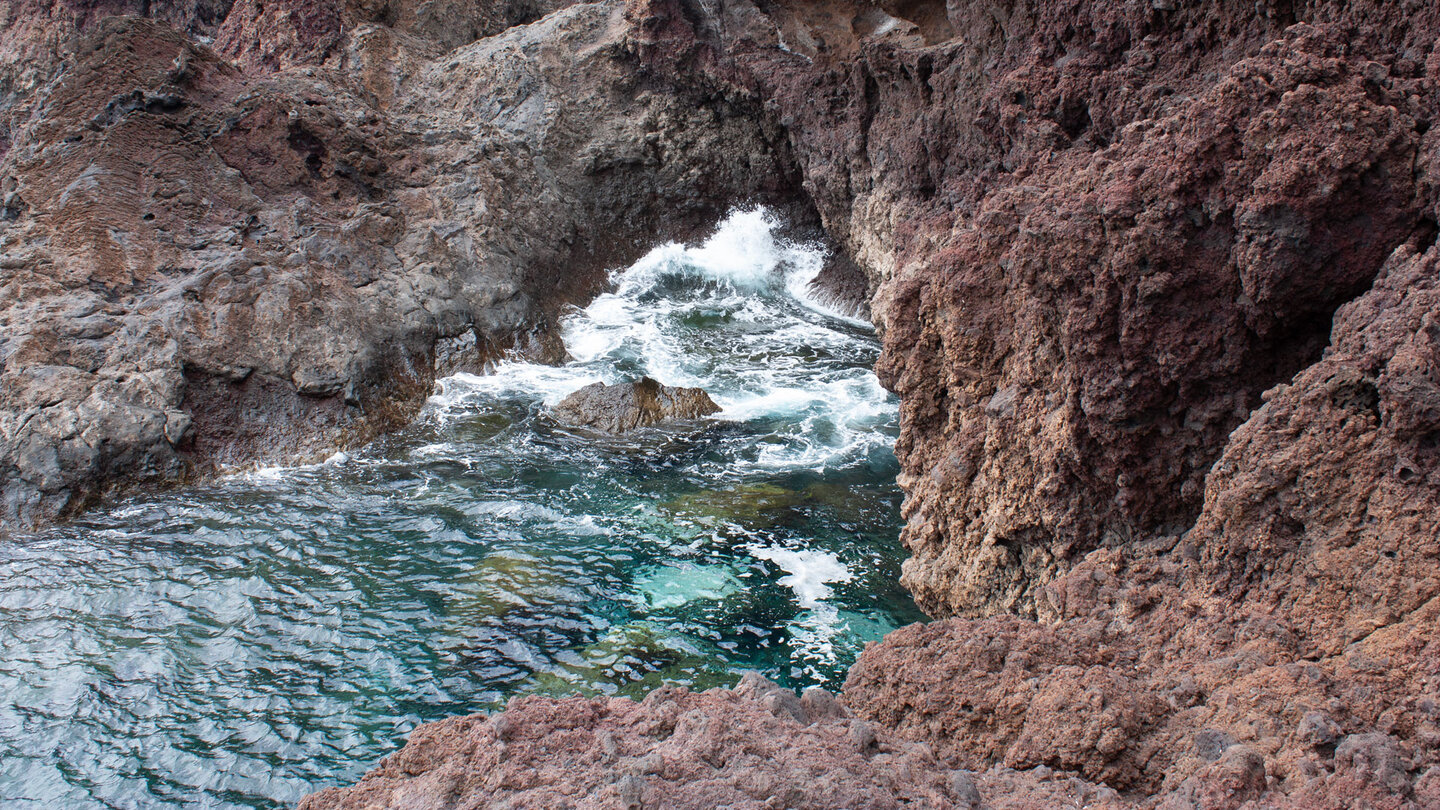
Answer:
[(1157, 284), (244, 234)]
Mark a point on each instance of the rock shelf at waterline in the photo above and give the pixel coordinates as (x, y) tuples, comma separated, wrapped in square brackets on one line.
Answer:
[(245, 643)]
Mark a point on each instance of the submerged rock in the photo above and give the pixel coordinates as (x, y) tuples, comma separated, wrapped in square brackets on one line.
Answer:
[(675, 585), (1157, 288), (631, 660), (499, 583), (626, 406), (750, 505)]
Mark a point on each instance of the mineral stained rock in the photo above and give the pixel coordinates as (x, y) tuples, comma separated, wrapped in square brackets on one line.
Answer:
[(1157, 289), (758, 746), (1157, 283), (237, 233), (626, 406), (1099, 232)]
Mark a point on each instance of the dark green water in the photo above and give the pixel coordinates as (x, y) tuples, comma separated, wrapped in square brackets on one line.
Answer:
[(245, 643)]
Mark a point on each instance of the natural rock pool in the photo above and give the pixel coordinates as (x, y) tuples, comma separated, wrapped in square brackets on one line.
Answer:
[(244, 643)]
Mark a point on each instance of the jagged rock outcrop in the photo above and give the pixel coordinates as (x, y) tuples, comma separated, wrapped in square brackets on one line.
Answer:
[(1157, 283), (269, 246), (1097, 233), (758, 746), (1154, 284), (1155, 290), (624, 407)]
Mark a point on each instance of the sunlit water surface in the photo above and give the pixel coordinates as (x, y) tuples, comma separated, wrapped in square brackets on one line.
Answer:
[(245, 643)]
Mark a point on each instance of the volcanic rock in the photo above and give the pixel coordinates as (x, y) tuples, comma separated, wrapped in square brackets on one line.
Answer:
[(1157, 285), (627, 406), (757, 746), (1296, 611), (255, 232)]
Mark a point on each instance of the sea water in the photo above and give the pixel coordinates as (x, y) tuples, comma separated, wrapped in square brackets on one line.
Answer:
[(245, 643)]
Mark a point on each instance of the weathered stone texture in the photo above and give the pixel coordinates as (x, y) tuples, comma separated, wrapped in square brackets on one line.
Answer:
[(267, 247)]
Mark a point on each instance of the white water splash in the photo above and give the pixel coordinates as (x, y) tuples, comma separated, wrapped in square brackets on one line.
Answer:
[(743, 253), (734, 315), (809, 572)]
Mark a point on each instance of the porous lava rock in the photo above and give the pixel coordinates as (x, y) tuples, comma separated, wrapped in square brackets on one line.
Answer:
[(1251, 656), (623, 407), (1155, 289), (757, 746), (1096, 233), (1157, 286)]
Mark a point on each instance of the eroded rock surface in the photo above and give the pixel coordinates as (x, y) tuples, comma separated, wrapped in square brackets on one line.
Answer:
[(1157, 285), (269, 246), (1098, 233), (1156, 289), (758, 746), (624, 407)]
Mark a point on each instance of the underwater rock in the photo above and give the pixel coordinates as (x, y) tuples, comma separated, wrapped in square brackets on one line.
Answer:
[(675, 585), (1157, 285), (627, 406), (499, 583), (750, 505), (632, 659)]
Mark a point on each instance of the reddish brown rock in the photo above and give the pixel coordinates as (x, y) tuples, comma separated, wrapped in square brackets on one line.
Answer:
[(1157, 284), (755, 747), (1090, 265), (1296, 617), (1112, 247), (758, 746)]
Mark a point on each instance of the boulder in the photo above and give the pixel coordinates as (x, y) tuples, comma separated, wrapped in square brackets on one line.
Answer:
[(626, 406)]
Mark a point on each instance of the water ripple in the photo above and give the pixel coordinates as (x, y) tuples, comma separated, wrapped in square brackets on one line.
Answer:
[(241, 644)]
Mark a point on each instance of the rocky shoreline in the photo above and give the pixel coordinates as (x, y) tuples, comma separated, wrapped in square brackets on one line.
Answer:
[(1157, 285), (267, 248)]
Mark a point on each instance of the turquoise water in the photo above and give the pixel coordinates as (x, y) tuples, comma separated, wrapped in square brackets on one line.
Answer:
[(245, 643)]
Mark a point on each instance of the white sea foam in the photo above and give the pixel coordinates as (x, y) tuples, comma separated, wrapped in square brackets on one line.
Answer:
[(762, 369), (743, 253), (723, 316), (809, 572), (461, 393)]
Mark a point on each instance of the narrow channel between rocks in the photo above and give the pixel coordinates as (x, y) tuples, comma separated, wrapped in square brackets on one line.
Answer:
[(252, 641)]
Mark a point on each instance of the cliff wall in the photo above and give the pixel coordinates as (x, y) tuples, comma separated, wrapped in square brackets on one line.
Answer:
[(261, 235), (1157, 284)]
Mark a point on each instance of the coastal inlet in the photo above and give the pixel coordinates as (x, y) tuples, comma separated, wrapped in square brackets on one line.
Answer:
[(246, 643)]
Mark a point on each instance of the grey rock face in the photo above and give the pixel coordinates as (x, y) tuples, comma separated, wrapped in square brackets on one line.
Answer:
[(268, 249), (627, 406)]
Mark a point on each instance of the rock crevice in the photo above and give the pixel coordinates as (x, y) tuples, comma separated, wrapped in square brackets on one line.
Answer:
[(1156, 283)]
